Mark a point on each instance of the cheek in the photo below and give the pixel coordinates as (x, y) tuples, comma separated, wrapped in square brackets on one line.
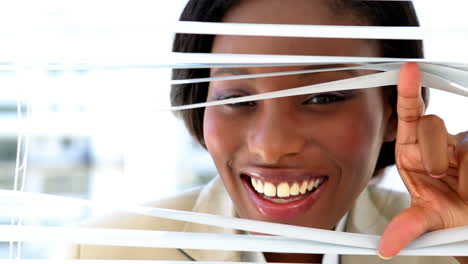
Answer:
[(221, 135), (366, 136), (356, 136), (358, 133)]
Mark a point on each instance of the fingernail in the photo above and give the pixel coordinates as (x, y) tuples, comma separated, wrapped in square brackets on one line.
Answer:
[(438, 176), (384, 258)]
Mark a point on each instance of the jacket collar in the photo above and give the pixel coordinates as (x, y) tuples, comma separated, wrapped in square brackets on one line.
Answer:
[(366, 217), (213, 199), (377, 205)]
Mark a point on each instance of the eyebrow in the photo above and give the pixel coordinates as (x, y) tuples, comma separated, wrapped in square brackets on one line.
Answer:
[(230, 71), (245, 71), (351, 72)]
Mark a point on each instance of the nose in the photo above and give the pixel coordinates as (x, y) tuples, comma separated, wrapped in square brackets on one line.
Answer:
[(274, 135)]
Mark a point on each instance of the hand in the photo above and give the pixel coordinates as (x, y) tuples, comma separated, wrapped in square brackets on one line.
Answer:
[(433, 165)]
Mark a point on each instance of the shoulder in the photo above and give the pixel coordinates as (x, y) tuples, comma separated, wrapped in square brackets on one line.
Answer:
[(183, 201)]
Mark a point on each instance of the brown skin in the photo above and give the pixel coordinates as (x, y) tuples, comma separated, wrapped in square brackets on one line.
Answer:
[(434, 166), (341, 139)]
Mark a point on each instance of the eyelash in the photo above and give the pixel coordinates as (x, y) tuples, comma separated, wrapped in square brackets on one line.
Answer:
[(330, 98), (236, 105)]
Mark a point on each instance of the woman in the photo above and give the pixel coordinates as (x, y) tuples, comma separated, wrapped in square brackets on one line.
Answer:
[(307, 160)]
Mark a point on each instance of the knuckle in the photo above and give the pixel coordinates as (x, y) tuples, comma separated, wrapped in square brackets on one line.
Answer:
[(409, 114), (463, 155), (462, 144), (463, 137), (433, 125), (434, 119), (408, 118)]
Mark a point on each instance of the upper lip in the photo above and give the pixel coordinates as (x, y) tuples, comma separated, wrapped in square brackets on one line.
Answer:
[(278, 175)]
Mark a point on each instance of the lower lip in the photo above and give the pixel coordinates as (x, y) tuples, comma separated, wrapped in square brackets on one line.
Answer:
[(283, 211)]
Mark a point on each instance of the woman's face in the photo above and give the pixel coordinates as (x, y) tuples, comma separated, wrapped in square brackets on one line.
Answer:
[(299, 160)]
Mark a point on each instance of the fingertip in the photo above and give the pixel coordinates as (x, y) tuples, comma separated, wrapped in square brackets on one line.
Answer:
[(383, 251), (414, 65), (410, 78), (401, 231), (387, 249), (381, 255), (411, 66)]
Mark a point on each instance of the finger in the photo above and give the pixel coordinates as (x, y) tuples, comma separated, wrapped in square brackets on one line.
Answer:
[(462, 151), (413, 161), (410, 105), (433, 144), (403, 229)]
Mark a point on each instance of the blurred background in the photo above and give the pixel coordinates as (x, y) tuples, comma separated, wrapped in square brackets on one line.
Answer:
[(93, 133)]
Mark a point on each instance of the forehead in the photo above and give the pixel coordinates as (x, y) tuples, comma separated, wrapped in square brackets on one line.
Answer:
[(301, 12)]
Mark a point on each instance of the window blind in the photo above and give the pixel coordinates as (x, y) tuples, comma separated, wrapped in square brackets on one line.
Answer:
[(448, 76)]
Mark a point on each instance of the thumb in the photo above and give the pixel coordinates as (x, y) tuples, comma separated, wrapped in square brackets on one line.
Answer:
[(403, 229)]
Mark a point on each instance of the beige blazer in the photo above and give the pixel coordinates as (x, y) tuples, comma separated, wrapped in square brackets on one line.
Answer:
[(371, 213)]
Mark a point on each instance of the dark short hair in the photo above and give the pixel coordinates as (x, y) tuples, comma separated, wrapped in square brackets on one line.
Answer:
[(377, 13)]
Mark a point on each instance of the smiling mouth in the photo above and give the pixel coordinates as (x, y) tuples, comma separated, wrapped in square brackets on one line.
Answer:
[(284, 192)]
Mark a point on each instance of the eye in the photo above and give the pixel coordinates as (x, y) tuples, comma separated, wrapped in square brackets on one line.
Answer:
[(237, 105), (325, 99)]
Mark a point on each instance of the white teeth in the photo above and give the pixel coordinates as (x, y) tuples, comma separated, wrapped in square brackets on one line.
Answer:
[(303, 187), (269, 190), (310, 185), (282, 190), (259, 186), (254, 183), (294, 190), (316, 183)]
